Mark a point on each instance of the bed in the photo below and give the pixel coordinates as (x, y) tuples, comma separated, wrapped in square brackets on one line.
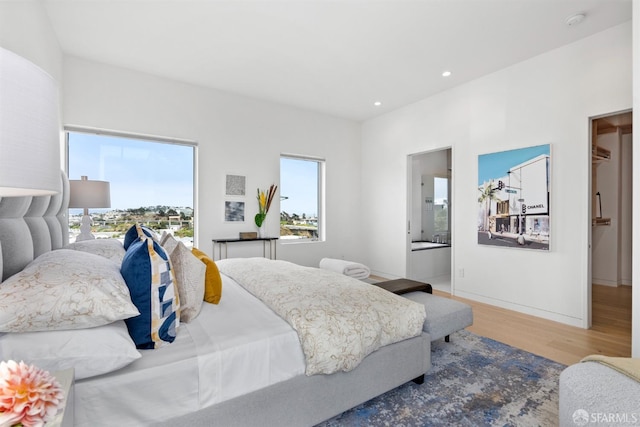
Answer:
[(234, 363)]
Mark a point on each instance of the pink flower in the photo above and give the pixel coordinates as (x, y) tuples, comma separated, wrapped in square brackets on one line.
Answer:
[(28, 395)]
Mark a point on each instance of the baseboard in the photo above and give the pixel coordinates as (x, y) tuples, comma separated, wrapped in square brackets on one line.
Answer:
[(604, 282), (549, 315)]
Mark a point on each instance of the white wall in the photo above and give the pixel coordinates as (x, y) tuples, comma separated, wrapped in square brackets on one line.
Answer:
[(416, 200), (25, 29), (611, 262), (605, 240), (545, 100), (235, 135), (635, 317)]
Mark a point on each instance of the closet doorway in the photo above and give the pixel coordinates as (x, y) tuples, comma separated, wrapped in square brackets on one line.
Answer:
[(611, 220), (429, 249)]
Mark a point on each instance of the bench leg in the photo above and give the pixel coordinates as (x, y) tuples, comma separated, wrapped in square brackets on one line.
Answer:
[(419, 380), (446, 339)]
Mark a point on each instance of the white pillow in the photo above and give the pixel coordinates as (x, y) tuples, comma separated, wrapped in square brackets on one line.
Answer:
[(90, 352), (108, 248), (64, 289)]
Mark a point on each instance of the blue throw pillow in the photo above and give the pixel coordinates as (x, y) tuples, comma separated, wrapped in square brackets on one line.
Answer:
[(136, 232), (147, 271)]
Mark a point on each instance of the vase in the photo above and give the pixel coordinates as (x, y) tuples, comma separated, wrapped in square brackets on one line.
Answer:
[(262, 233)]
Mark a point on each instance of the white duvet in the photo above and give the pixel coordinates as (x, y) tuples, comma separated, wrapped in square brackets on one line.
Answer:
[(339, 320)]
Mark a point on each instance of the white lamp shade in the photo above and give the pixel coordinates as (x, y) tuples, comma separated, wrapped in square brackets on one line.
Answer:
[(89, 194), (29, 129)]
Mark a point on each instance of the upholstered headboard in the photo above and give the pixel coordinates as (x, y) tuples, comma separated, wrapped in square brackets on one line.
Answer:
[(31, 226)]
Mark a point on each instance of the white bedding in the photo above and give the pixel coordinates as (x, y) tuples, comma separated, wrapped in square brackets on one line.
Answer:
[(230, 349), (339, 320)]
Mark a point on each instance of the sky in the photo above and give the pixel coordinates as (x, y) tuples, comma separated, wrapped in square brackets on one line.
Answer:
[(140, 173), (143, 173), (495, 165), (299, 184), (440, 190)]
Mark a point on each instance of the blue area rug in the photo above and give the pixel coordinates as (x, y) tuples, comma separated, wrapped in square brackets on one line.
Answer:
[(473, 381)]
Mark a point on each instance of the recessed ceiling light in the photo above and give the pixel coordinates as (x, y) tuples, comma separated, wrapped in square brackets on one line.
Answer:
[(446, 73), (575, 19), (377, 103)]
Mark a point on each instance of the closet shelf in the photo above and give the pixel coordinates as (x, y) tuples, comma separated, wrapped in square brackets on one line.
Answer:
[(600, 154), (601, 221)]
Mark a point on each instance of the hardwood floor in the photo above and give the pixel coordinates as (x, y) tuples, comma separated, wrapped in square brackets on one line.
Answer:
[(612, 309), (610, 334)]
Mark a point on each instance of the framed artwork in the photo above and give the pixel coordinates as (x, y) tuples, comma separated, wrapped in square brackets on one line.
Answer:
[(233, 211), (235, 185), (513, 198)]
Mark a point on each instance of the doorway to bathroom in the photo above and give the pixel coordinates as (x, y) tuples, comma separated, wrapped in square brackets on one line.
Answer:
[(429, 223)]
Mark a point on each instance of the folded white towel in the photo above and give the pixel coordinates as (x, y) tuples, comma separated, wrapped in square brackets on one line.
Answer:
[(348, 268)]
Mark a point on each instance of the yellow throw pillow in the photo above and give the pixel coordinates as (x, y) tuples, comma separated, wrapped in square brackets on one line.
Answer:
[(212, 279)]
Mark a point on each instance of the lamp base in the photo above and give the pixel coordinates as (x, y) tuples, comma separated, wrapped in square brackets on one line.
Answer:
[(85, 229)]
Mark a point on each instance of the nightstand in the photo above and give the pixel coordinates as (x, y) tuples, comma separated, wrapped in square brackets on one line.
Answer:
[(64, 418)]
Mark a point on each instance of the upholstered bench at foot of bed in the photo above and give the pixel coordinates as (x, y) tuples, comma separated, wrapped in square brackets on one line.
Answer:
[(444, 316)]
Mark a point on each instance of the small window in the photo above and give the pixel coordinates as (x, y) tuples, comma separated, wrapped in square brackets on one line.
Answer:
[(151, 182), (441, 205), (301, 194)]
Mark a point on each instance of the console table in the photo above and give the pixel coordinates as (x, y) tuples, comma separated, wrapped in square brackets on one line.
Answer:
[(224, 242)]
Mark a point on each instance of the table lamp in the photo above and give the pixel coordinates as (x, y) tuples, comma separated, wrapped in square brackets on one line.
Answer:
[(88, 194)]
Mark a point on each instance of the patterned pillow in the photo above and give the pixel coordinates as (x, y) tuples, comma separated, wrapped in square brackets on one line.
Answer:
[(138, 231), (212, 281), (147, 270), (108, 248), (189, 273), (64, 289)]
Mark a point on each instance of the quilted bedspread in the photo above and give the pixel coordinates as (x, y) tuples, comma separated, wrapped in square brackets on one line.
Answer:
[(339, 320)]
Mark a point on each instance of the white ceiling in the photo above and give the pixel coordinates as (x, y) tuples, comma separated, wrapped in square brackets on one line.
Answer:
[(332, 56)]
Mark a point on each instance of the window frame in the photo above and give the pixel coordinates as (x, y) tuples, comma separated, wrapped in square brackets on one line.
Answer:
[(148, 138), (321, 182)]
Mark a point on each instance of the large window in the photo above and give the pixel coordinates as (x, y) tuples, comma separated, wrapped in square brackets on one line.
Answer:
[(302, 195), (152, 182)]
